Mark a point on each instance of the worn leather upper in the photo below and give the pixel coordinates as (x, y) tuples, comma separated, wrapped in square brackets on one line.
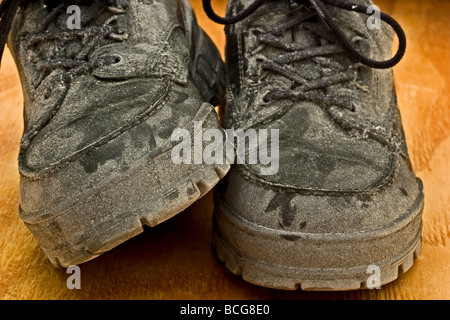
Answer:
[(323, 147), (69, 113)]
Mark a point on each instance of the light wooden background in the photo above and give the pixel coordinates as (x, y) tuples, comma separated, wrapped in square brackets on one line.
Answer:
[(175, 261)]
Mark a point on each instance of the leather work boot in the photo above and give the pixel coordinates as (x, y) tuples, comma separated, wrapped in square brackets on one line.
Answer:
[(102, 100), (344, 209)]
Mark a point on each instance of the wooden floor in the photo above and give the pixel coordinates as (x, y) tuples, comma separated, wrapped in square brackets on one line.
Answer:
[(174, 260)]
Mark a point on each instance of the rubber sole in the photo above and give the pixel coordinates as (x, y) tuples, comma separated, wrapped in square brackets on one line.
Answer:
[(315, 262), (126, 225)]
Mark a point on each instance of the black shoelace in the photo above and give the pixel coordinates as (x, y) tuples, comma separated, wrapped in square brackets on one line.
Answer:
[(316, 19), (324, 14)]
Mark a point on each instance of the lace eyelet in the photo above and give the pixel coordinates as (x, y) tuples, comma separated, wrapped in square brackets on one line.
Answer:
[(47, 93), (265, 98), (114, 58), (117, 59), (354, 107)]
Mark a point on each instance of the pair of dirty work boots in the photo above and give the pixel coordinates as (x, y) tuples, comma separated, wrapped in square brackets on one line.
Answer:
[(103, 101)]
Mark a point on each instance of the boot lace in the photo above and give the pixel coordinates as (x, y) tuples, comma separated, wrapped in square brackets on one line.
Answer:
[(88, 34), (316, 18), (45, 62)]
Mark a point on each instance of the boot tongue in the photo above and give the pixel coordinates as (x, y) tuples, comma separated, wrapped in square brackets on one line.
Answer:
[(270, 16)]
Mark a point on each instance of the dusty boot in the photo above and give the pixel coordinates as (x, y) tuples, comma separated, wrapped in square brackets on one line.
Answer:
[(344, 209), (102, 100)]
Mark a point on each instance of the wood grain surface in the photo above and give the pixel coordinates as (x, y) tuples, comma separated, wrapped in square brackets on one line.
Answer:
[(175, 261)]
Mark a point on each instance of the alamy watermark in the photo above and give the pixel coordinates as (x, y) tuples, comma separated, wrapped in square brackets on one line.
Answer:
[(74, 20), (74, 280), (228, 146), (374, 280), (374, 21)]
